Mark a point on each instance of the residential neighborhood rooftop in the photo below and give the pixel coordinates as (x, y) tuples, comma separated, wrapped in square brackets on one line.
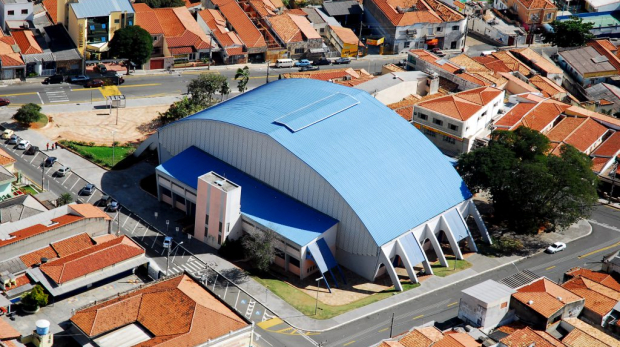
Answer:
[(463, 105), (96, 8), (545, 297)]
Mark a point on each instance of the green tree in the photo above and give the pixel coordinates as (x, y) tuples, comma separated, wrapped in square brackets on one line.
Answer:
[(64, 198), (224, 90), (35, 298), (28, 113), (204, 87), (163, 3), (179, 109), (530, 189), (569, 33), (132, 43), (260, 248), (243, 75)]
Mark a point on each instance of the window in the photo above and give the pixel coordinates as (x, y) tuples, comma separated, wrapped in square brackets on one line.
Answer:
[(438, 29), (453, 45), (179, 199), (165, 191), (293, 261), (429, 132), (299, 50), (25, 11), (227, 227), (455, 27), (154, 38), (548, 16), (453, 127), (116, 21), (322, 30), (449, 139), (437, 121), (422, 116), (219, 239), (219, 228), (279, 253), (430, 31), (407, 44), (11, 13)]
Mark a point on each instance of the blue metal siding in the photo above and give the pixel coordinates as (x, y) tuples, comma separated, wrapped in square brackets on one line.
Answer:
[(386, 170)]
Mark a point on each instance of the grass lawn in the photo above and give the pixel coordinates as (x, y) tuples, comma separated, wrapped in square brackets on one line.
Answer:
[(305, 303), (29, 190), (441, 271), (101, 155), (40, 123)]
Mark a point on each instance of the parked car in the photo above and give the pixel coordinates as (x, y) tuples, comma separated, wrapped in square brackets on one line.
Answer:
[(63, 171), (322, 61), (119, 77), (5, 102), (303, 62), (54, 79), (167, 241), (32, 150), (14, 139), (79, 79), (88, 189), (101, 68), (23, 144), (438, 52), (556, 247), (49, 162), (6, 134), (105, 200), (94, 84), (113, 206), (342, 61), (308, 68)]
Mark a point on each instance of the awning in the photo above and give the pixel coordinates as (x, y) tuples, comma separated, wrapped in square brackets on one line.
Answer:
[(432, 42), (412, 249), (457, 225), (98, 47), (320, 253)]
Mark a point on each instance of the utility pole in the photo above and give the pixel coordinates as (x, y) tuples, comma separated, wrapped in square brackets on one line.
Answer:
[(42, 173), (359, 39), (210, 51), (392, 325)]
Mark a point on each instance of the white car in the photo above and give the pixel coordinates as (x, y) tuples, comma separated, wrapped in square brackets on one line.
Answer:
[(23, 144), (556, 247), (63, 171)]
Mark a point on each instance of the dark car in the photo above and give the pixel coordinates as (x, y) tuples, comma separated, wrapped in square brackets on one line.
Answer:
[(49, 162), (54, 79), (113, 206), (322, 61), (4, 102), (105, 200), (101, 68), (88, 189), (79, 79), (308, 68), (342, 61), (94, 84), (32, 150)]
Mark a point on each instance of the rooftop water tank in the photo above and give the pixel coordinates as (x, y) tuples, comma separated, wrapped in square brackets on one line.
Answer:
[(43, 327)]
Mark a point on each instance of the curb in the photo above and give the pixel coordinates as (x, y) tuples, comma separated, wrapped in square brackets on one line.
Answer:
[(435, 290)]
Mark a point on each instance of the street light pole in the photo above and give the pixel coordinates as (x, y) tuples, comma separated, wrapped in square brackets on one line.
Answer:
[(113, 140), (42, 173), (267, 78), (318, 281), (168, 259)]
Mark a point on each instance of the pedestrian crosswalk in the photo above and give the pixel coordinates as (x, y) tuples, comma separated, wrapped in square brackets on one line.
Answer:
[(191, 267), (57, 96)]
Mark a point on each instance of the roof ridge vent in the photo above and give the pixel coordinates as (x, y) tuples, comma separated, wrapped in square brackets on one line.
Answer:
[(531, 302), (560, 298)]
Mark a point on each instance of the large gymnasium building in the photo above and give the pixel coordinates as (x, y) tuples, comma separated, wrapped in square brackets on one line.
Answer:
[(339, 177)]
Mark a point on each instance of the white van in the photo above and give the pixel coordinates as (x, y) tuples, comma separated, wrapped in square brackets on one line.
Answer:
[(285, 63), (7, 134)]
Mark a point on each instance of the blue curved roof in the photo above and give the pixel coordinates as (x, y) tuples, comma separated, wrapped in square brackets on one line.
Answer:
[(390, 174)]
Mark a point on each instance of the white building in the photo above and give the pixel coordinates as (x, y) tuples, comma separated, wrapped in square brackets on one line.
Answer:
[(486, 305), (16, 10), (339, 177), (395, 86), (454, 122), (602, 5)]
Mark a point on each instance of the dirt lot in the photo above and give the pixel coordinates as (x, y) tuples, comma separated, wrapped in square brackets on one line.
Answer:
[(134, 124)]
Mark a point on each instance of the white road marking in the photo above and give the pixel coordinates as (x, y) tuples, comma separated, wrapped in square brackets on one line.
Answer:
[(74, 184), (40, 98), (63, 182)]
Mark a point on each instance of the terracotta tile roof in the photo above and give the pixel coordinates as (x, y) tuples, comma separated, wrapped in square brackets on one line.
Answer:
[(262, 8), (564, 128), (538, 4), (147, 19), (595, 301), (5, 158), (305, 26), (32, 258), (526, 337), (40, 229), (8, 56), (537, 60), (390, 344), (422, 15), (192, 3), (543, 114), (512, 62), (104, 238), (422, 337), (492, 63), (599, 163), (607, 45), (89, 211), (26, 42), (599, 277), (470, 64), (605, 102), (460, 340), (586, 135), (594, 337), (296, 11), (432, 59), (197, 315), (52, 9), (285, 28), (602, 48), (277, 3), (547, 297), (610, 147), (91, 259), (546, 86), (239, 20), (73, 244), (445, 13), (7, 331), (345, 34), (462, 105), (226, 38), (21, 280), (514, 116)]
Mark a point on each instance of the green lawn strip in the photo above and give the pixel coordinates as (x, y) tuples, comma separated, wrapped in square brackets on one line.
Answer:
[(28, 190), (41, 122), (100, 154), (441, 271), (305, 303)]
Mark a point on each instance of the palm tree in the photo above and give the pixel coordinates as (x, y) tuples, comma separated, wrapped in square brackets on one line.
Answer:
[(64, 199), (224, 89), (243, 75)]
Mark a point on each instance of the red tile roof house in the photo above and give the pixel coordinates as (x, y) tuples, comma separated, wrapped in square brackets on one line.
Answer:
[(13, 65), (415, 24), (542, 304), (176, 33), (294, 33), (232, 49), (177, 311)]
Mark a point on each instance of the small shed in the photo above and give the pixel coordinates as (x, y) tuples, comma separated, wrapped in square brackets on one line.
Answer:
[(486, 305)]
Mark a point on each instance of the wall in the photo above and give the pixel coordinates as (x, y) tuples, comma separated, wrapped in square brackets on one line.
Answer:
[(5, 188), (75, 26), (17, 15), (422, 65), (483, 315), (379, 23), (91, 226), (478, 25), (528, 315)]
